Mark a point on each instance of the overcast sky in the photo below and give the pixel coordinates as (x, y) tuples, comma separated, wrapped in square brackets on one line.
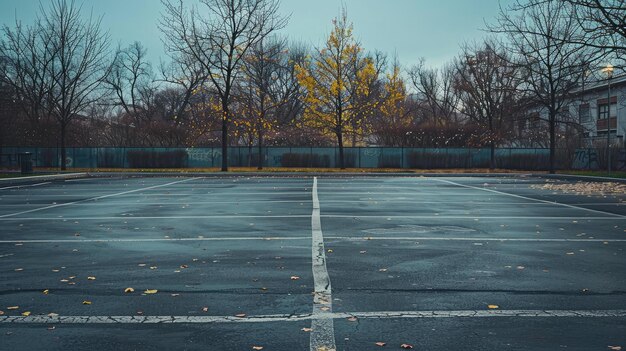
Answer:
[(433, 29)]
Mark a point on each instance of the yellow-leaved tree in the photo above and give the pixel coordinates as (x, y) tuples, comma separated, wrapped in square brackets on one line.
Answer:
[(332, 80), (393, 120)]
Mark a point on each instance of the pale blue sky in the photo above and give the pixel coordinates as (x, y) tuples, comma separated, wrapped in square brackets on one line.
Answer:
[(433, 29)]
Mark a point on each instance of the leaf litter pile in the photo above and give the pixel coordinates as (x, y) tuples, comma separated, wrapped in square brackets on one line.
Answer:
[(585, 188)]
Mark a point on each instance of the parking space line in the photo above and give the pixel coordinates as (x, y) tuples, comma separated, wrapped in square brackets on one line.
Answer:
[(478, 239), (24, 186), (529, 198), (355, 216), (44, 319), (322, 327), (93, 198), (142, 240), (296, 238)]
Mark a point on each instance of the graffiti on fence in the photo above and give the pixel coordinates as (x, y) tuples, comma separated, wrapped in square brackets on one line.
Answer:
[(585, 159), (203, 155)]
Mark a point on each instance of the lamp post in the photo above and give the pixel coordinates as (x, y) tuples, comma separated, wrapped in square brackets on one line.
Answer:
[(609, 74)]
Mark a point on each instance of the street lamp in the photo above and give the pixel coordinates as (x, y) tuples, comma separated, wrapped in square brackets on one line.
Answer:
[(608, 70)]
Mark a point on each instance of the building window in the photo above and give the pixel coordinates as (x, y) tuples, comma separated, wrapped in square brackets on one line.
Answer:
[(584, 113), (605, 123)]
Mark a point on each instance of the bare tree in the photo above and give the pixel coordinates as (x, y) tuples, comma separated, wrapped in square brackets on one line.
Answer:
[(487, 84), (604, 26), (436, 88), (540, 37), (218, 38), (28, 56), (79, 51)]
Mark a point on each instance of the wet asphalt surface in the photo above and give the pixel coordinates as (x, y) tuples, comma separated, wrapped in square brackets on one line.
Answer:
[(228, 246)]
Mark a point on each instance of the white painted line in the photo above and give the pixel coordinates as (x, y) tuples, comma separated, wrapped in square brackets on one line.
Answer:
[(140, 240), (93, 198), (46, 177), (529, 198), (43, 319), (355, 216), (24, 186), (296, 238), (477, 217), (417, 238), (322, 327), (130, 217)]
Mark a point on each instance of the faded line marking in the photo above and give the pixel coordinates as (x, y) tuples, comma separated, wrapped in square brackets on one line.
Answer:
[(24, 186), (93, 198), (322, 326), (138, 240), (301, 317), (129, 217), (417, 238), (530, 198)]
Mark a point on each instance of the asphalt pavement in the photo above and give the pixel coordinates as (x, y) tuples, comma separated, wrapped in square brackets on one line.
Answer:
[(304, 263)]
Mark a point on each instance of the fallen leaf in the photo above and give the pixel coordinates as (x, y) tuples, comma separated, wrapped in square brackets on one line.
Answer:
[(380, 343), (45, 292), (13, 308), (240, 315), (26, 313), (493, 307), (86, 302), (294, 277), (406, 346), (151, 291), (306, 329), (129, 290)]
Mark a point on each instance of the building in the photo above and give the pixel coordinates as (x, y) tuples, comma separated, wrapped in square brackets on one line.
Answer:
[(600, 107)]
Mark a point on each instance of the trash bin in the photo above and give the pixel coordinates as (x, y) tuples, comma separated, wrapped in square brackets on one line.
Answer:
[(26, 163)]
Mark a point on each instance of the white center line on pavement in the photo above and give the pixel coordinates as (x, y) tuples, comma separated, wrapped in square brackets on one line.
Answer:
[(43, 319), (322, 325), (93, 198), (529, 198)]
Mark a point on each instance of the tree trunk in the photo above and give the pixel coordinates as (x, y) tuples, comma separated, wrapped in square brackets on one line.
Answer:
[(63, 151), (552, 140), (492, 159), (225, 117), (260, 162), (340, 142)]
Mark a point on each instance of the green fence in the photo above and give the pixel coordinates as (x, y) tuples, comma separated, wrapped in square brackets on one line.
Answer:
[(317, 157)]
